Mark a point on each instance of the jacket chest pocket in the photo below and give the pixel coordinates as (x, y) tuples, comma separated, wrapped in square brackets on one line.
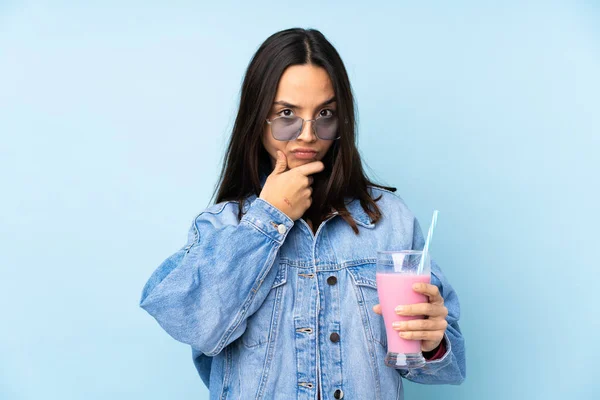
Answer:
[(262, 325), (365, 283)]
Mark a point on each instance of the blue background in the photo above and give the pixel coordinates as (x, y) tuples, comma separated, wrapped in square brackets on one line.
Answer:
[(114, 117)]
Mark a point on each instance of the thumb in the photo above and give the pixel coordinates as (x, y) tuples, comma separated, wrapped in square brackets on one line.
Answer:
[(281, 163)]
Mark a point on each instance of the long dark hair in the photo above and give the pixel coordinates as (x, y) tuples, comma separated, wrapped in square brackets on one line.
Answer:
[(246, 158)]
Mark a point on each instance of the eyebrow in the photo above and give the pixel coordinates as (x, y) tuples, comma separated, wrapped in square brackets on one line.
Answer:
[(286, 104)]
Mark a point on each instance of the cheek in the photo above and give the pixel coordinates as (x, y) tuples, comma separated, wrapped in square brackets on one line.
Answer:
[(272, 145)]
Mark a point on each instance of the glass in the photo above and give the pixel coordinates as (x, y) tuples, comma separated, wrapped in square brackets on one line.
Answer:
[(289, 128), (397, 272)]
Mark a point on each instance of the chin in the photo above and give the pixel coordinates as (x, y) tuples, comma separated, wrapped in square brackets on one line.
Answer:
[(302, 162)]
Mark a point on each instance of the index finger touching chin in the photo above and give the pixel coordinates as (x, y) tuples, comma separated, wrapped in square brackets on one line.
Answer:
[(310, 168)]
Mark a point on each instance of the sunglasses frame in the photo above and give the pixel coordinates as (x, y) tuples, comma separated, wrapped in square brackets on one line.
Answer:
[(301, 127)]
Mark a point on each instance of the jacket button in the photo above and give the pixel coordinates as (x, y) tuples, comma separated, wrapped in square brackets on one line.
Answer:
[(334, 337), (338, 394), (281, 228), (332, 280)]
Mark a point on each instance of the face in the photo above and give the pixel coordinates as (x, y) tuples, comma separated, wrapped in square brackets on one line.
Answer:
[(305, 89)]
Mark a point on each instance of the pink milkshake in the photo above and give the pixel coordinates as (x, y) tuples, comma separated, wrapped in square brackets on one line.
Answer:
[(397, 272), (395, 289)]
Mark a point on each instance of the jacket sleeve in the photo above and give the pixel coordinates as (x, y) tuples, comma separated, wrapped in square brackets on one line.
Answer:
[(203, 294), (451, 367)]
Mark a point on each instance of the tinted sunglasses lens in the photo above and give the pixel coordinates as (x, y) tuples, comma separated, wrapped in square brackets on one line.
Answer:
[(327, 127), (285, 128)]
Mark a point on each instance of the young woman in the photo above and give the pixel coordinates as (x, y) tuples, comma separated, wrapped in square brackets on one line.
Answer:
[(275, 288)]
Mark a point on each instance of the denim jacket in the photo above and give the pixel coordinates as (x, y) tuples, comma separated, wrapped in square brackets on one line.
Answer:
[(273, 311)]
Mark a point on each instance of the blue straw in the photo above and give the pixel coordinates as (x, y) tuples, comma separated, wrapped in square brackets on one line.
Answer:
[(426, 248)]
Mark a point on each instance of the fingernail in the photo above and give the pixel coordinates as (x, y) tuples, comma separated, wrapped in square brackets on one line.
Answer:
[(399, 309), (397, 324)]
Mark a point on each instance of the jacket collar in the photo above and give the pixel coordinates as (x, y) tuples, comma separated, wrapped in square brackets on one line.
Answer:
[(352, 205)]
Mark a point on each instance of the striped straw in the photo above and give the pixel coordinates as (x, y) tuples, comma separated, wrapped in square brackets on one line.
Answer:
[(426, 248)]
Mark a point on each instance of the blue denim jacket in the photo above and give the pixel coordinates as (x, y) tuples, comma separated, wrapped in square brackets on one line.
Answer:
[(273, 311)]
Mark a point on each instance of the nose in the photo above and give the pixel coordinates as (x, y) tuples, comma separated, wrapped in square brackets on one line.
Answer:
[(308, 132)]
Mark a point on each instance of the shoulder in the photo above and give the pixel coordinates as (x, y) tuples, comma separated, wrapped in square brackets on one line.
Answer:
[(387, 197), (218, 214), (224, 212), (219, 208), (395, 212)]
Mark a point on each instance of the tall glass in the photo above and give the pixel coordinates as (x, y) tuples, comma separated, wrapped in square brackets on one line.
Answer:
[(397, 272)]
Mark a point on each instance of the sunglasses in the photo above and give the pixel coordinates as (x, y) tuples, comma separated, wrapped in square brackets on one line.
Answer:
[(286, 128)]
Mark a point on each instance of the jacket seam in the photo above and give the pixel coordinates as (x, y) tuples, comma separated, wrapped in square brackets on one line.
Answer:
[(225, 386), (271, 340), (370, 345)]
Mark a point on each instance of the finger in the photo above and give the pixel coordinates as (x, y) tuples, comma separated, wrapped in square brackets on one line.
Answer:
[(431, 291), (310, 168), (308, 181), (422, 335), (280, 163), (377, 309), (420, 325), (428, 309)]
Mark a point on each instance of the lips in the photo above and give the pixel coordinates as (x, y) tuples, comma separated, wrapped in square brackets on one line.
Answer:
[(304, 153), (304, 150)]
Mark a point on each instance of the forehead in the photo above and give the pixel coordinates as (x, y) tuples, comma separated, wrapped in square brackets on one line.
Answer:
[(304, 84)]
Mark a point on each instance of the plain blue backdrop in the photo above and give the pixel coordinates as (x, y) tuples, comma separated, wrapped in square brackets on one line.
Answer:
[(114, 117)]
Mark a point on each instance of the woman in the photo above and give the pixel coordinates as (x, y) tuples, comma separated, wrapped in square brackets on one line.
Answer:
[(275, 288)]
